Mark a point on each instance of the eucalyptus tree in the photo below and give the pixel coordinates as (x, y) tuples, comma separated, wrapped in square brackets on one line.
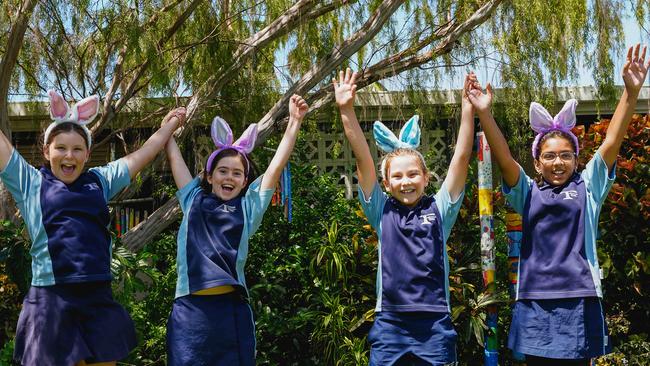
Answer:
[(224, 54)]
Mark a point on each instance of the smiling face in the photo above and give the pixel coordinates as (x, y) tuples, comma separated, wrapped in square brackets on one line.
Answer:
[(67, 154), (405, 179), (228, 177), (556, 161)]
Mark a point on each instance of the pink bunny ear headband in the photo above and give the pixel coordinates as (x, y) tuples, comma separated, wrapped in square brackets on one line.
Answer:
[(222, 137), (542, 122), (82, 113)]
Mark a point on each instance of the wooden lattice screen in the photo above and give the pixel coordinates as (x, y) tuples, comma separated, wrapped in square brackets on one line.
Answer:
[(332, 154)]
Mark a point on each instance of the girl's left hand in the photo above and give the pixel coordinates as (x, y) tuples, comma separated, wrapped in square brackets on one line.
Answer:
[(298, 107), (635, 69)]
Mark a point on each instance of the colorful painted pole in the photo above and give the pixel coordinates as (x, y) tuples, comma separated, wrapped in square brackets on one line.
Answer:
[(285, 183), (487, 244), (514, 232)]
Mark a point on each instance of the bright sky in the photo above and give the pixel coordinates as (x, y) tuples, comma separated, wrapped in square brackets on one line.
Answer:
[(488, 71), (633, 35)]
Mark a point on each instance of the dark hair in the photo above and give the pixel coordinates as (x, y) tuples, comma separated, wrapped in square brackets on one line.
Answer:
[(249, 168), (555, 134), (59, 129)]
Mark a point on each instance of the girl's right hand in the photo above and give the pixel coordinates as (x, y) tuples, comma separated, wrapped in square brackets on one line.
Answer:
[(180, 113), (345, 89), (481, 101)]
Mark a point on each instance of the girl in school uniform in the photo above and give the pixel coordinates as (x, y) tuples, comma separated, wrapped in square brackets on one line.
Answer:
[(558, 317), (69, 316), (412, 317), (211, 322)]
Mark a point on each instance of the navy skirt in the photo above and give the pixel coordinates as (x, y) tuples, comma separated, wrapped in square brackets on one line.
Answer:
[(412, 338), (559, 328), (215, 330), (64, 324)]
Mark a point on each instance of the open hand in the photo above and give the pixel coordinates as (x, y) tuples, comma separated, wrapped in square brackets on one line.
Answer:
[(635, 69), (345, 88)]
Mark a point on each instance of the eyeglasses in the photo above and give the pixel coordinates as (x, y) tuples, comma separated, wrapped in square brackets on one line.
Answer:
[(551, 156)]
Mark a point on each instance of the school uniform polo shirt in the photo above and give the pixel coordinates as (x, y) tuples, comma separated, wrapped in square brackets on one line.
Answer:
[(67, 223), (213, 236), (558, 257), (413, 269)]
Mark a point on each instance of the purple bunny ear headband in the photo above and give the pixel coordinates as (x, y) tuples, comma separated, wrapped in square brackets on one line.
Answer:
[(222, 137), (542, 122), (81, 114)]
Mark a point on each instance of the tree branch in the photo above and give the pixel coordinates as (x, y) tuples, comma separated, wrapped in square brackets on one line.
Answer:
[(329, 63)]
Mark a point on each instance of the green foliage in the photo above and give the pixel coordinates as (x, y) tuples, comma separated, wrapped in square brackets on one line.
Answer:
[(6, 354), (144, 283), (15, 275), (624, 240), (311, 279)]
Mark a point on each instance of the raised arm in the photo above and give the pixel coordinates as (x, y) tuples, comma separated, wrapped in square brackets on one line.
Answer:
[(457, 172), (498, 144), (297, 110), (634, 74), (137, 160), (181, 173), (345, 91), (5, 151)]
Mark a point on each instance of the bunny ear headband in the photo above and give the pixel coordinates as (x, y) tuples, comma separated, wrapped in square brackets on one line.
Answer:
[(82, 113), (409, 138), (542, 122), (222, 137)]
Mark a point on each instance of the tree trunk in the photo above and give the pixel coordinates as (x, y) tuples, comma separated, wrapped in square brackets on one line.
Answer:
[(7, 65), (157, 222), (390, 66)]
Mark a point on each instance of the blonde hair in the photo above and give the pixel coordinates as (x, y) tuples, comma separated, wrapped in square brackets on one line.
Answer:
[(385, 161)]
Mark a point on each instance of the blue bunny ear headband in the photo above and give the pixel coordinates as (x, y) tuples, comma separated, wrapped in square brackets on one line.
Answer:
[(409, 138)]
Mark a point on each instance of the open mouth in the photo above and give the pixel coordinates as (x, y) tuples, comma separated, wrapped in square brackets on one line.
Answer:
[(67, 169), (227, 188), (407, 191)]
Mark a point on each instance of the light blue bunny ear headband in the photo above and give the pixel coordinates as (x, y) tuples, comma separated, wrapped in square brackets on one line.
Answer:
[(409, 138)]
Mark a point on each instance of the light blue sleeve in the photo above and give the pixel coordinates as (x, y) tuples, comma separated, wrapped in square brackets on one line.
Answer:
[(187, 193), (516, 195), (598, 179), (255, 203), (373, 206), (21, 179), (448, 209), (114, 177)]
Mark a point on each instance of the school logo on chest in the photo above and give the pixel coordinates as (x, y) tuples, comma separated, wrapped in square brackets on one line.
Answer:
[(91, 186), (227, 208), (569, 195), (428, 219)]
